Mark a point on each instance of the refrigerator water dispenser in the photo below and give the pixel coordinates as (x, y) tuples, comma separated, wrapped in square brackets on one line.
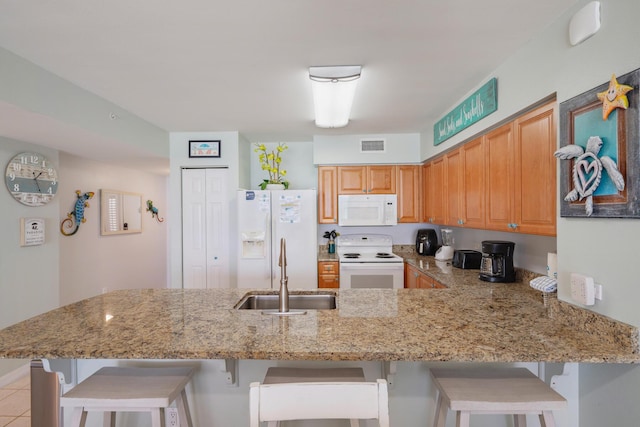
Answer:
[(253, 244)]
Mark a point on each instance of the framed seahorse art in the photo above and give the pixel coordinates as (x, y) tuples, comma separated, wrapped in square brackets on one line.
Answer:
[(599, 151)]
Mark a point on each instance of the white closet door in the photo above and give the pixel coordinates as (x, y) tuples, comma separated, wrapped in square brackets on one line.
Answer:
[(217, 216), (205, 224)]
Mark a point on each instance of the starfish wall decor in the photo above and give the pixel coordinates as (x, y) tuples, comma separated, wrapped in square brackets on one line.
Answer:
[(614, 97)]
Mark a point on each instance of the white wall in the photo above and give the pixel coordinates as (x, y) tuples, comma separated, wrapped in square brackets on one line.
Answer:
[(297, 160), (345, 149), (67, 107), (29, 279), (91, 263), (29, 276)]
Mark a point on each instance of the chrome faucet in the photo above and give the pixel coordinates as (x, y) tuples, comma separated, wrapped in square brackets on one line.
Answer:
[(283, 297)]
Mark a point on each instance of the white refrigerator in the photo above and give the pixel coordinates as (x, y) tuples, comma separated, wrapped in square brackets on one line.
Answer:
[(264, 217)]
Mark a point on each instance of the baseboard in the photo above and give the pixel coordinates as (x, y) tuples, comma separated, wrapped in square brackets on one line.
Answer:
[(14, 375)]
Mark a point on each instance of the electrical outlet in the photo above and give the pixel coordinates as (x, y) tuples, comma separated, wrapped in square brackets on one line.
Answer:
[(171, 415), (583, 289)]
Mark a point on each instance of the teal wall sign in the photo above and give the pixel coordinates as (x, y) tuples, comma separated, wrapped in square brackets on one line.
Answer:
[(483, 102)]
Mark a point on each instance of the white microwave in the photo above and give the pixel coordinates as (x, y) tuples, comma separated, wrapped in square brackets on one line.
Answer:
[(367, 209)]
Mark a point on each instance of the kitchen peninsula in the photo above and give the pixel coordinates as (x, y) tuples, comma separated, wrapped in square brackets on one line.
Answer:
[(470, 321)]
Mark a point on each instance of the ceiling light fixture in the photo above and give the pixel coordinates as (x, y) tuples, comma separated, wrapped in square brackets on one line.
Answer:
[(333, 92)]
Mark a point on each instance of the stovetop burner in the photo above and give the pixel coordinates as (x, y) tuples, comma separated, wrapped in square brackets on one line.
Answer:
[(384, 255), (351, 255)]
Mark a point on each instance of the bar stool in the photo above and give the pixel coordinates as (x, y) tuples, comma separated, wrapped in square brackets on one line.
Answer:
[(309, 394), (513, 391), (124, 389)]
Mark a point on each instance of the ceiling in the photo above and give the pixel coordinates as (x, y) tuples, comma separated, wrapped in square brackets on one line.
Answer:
[(220, 65)]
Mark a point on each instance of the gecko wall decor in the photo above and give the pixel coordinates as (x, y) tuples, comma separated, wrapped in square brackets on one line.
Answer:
[(76, 217), (154, 211)]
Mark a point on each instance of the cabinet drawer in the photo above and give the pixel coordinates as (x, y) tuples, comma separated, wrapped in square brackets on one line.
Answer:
[(328, 267), (328, 274)]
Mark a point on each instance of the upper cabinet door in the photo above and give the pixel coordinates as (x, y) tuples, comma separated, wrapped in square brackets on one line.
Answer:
[(473, 170), (535, 172), (425, 180), (453, 196), (352, 179), (408, 181), (381, 179), (435, 204), (498, 178), (327, 195)]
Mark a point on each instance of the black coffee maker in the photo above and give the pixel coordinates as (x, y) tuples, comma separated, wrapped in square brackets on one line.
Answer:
[(497, 261), (426, 242)]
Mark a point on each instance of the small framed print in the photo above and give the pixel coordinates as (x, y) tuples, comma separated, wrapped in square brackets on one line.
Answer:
[(204, 148), (31, 231)]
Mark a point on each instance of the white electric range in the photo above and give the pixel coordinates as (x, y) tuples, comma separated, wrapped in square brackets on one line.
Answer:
[(368, 261)]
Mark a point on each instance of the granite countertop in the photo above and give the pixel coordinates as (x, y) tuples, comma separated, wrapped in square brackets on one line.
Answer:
[(469, 322)]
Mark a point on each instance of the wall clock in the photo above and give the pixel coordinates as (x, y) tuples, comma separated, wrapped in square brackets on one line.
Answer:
[(31, 179)]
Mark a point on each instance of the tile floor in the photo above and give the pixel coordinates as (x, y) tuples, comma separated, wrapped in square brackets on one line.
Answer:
[(15, 403)]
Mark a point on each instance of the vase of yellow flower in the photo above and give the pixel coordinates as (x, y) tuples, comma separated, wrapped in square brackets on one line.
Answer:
[(270, 161)]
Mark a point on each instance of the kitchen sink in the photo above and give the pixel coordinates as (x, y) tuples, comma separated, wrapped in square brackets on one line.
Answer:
[(261, 301)]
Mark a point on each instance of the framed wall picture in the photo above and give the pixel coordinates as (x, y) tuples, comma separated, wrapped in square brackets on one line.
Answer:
[(209, 148), (32, 231), (600, 178)]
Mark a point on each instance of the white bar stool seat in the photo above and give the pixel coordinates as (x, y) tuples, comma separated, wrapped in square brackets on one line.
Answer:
[(514, 391), (124, 389), (317, 394)]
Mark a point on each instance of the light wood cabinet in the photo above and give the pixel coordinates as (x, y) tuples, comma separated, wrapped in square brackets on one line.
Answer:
[(424, 199), (416, 279), (327, 195), (473, 184), (520, 174), (369, 179), (453, 169), (328, 274), (535, 172), (408, 182), (433, 196), (464, 184), (499, 178)]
